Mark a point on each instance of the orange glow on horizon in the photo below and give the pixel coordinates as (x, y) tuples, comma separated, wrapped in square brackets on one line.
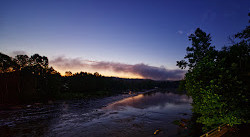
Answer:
[(103, 73)]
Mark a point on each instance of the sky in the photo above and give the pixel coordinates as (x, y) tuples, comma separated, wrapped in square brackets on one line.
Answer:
[(122, 38)]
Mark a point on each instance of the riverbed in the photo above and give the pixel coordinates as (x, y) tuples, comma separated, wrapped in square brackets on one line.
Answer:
[(117, 116)]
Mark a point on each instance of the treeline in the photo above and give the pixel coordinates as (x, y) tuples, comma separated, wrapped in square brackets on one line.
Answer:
[(218, 80), (25, 79)]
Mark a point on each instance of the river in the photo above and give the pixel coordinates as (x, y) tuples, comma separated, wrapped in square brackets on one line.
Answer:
[(117, 116)]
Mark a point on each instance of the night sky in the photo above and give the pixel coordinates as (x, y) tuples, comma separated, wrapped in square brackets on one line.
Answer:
[(124, 38)]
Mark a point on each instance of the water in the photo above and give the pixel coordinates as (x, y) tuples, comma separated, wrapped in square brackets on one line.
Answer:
[(118, 116)]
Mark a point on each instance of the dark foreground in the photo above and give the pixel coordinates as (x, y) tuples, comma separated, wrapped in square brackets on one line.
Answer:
[(117, 116)]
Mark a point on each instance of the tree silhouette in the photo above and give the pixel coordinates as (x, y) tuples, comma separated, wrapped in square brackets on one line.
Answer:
[(7, 64), (26, 79), (68, 73), (200, 48), (22, 60)]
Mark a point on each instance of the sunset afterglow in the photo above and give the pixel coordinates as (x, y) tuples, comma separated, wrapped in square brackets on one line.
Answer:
[(116, 33)]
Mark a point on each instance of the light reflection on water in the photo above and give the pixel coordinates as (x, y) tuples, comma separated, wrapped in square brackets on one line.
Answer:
[(153, 99), (136, 116)]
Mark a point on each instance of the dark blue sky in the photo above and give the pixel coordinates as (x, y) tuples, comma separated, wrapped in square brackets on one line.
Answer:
[(127, 32)]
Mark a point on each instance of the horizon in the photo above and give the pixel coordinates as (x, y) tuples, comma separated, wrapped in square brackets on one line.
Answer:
[(111, 76)]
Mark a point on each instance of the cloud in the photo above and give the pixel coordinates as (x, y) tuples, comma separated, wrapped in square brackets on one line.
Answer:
[(18, 52), (68, 63), (143, 70), (157, 73), (180, 32)]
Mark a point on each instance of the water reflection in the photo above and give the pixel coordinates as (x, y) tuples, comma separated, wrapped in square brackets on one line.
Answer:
[(141, 115), (152, 99), (137, 116)]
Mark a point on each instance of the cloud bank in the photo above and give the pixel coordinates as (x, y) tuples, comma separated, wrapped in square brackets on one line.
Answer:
[(146, 71)]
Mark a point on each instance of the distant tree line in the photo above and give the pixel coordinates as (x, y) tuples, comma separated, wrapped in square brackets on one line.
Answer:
[(218, 80), (25, 79)]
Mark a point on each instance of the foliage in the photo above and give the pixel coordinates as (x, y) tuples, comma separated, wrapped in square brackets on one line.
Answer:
[(218, 81)]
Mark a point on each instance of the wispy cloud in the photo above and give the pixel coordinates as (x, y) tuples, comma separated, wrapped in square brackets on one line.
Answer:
[(180, 32), (143, 70), (18, 52)]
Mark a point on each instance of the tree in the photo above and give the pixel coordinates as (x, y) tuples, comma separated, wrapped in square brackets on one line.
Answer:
[(42, 61), (37, 64), (7, 64), (51, 70), (200, 48), (218, 80), (97, 74), (68, 73), (22, 60)]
